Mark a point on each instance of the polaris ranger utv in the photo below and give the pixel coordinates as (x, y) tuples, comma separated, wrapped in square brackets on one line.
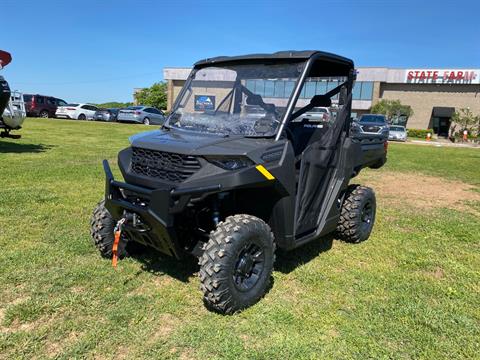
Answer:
[(239, 169)]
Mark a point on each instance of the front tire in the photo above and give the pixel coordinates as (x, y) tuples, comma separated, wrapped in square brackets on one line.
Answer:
[(236, 266), (102, 226), (357, 214), (44, 114)]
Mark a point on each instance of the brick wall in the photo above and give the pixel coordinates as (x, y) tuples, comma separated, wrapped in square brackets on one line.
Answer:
[(423, 97)]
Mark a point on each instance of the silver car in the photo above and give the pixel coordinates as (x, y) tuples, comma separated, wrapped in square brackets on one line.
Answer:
[(141, 114), (397, 132)]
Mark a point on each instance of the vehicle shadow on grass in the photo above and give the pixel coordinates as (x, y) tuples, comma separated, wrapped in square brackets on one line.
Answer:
[(286, 262), (18, 148), (160, 265)]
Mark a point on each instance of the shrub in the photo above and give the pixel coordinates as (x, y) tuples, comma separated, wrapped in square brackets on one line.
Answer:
[(419, 133)]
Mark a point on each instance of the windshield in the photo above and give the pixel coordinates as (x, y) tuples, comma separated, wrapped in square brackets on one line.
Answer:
[(397, 128), (72, 105), (242, 99), (376, 119)]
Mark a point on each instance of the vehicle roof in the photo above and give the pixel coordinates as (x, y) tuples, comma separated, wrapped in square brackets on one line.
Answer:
[(279, 55), (337, 64), (43, 96)]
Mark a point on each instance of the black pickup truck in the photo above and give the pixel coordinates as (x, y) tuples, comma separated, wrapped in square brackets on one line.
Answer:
[(229, 186)]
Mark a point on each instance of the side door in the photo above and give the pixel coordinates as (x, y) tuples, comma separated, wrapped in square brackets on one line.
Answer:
[(317, 156), (51, 105), (39, 104), (158, 116), (89, 111)]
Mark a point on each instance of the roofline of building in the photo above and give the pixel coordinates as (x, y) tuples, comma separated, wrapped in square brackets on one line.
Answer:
[(376, 74)]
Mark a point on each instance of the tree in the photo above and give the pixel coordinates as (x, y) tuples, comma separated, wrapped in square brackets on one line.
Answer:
[(392, 109), (466, 120), (155, 95), (114, 104)]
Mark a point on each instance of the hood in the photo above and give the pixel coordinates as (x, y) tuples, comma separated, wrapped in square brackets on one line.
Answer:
[(368, 123), (193, 143)]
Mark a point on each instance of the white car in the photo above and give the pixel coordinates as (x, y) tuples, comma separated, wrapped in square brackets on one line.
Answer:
[(76, 111), (396, 132)]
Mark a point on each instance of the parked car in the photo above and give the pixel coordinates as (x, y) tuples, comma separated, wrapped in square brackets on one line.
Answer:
[(41, 105), (318, 114), (141, 114), (106, 115), (370, 124), (76, 111), (397, 132)]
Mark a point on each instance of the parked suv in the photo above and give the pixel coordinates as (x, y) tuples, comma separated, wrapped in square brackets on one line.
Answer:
[(370, 124), (41, 105)]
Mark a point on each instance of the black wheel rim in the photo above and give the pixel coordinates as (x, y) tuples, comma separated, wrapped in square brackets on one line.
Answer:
[(367, 215), (249, 267)]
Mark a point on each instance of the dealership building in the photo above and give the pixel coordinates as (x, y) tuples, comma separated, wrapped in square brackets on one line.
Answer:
[(433, 94)]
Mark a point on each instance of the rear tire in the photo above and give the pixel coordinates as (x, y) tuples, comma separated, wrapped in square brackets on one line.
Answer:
[(82, 117), (101, 228), (44, 114), (146, 121), (237, 263), (357, 214)]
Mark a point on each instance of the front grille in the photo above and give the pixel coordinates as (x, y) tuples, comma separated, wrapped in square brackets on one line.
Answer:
[(371, 128), (164, 165)]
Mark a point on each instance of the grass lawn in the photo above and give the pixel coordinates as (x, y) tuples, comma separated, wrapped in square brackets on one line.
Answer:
[(411, 291)]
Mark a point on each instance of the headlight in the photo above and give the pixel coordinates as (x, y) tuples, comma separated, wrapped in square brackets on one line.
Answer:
[(230, 163)]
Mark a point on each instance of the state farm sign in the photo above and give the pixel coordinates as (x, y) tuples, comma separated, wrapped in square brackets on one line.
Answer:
[(442, 76)]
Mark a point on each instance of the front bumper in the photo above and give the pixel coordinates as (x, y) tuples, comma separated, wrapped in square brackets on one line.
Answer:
[(397, 138), (149, 212), (101, 117)]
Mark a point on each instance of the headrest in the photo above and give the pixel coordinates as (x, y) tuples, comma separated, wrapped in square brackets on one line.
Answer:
[(254, 99), (321, 101)]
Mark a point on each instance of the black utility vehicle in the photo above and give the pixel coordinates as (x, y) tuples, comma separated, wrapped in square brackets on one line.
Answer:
[(230, 186)]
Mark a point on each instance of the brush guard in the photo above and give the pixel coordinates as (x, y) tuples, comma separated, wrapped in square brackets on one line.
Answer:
[(150, 212)]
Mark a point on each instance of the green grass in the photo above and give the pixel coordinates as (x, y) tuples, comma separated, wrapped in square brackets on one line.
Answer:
[(411, 291)]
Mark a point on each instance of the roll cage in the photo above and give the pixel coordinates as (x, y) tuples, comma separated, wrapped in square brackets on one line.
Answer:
[(315, 64)]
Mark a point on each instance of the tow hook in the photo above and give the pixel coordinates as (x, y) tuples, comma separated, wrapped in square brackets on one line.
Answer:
[(117, 231)]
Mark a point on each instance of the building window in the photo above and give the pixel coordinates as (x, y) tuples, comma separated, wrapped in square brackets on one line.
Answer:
[(321, 88), (332, 85), (357, 89), (289, 87), (269, 88), (310, 89), (367, 90), (250, 85), (279, 91), (259, 87)]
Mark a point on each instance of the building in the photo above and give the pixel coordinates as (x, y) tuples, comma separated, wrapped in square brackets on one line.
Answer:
[(433, 94)]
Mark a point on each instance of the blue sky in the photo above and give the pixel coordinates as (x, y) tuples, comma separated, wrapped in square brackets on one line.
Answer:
[(98, 51)]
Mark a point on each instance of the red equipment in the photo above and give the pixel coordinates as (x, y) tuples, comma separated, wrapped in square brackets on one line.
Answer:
[(5, 58)]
